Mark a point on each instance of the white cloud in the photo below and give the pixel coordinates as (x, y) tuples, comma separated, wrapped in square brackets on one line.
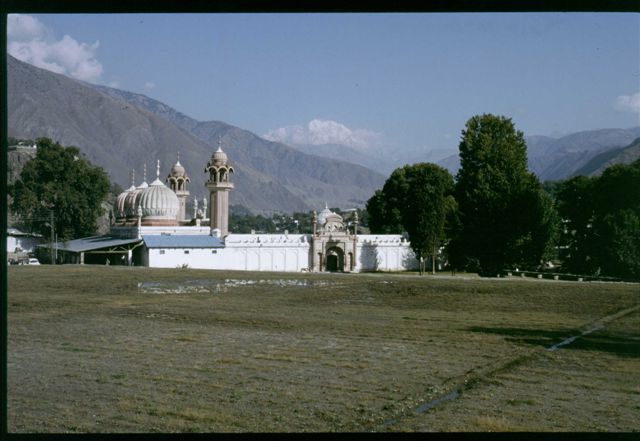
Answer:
[(22, 27), (628, 103), (31, 41), (149, 85), (323, 131)]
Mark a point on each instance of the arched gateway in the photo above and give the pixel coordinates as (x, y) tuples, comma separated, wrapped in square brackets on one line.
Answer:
[(333, 245), (335, 260)]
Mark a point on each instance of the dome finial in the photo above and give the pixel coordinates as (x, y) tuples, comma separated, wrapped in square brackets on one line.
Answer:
[(133, 177), (158, 170), (219, 143), (144, 172)]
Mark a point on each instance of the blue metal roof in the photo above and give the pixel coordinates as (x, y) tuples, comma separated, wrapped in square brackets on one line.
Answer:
[(181, 241), (92, 243)]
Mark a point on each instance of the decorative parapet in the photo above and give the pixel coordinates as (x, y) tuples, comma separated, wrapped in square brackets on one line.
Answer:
[(275, 240)]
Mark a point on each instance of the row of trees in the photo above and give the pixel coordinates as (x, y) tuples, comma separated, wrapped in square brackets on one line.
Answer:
[(601, 222), (496, 214), (243, 221)]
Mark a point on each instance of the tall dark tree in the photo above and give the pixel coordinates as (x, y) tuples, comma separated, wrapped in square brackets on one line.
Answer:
[(506, 219), (416, 199), (59, 184)]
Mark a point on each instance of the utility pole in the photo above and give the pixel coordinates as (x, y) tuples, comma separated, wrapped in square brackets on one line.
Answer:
[(52, 231)]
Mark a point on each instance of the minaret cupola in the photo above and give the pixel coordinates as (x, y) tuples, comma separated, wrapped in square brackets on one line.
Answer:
[(178, 180), (219, 186)]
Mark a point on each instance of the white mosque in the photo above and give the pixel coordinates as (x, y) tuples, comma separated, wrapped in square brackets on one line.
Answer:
[(150, 227)]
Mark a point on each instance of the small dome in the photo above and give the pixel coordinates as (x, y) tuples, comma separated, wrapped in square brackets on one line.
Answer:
[(159, 202), (219, 157), (322, 216), (177, 171)]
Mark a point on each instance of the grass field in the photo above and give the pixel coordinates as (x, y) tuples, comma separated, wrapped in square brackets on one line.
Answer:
[(116, 349)]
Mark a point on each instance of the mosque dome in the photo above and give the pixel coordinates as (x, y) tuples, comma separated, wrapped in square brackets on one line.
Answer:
[(158, 202), (119, 207), (131, 200)]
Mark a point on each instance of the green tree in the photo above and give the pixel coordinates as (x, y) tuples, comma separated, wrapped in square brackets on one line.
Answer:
[(59, 183), (616, 221), (506, 219), (416, 199), (574, 201), (384, 218)]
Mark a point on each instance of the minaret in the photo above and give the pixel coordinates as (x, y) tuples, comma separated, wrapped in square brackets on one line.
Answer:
[(177, 180), (219, 187)]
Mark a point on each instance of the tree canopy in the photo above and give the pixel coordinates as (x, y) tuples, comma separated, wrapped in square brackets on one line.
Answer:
[(59, 181), (601, 217), (505, 217), (416, 199)]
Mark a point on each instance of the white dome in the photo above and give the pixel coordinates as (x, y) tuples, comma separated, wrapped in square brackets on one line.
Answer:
[(119, 205), (159, 202), (131, 201)]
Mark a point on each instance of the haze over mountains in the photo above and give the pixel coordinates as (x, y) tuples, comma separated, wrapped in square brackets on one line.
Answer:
[(120, 131)]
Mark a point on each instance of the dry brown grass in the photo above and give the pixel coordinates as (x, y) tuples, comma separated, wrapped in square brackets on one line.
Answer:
[(114, 349)]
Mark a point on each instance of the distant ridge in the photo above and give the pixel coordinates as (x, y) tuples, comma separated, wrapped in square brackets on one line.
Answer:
[(560, 158), (624, 155), (121, 130)]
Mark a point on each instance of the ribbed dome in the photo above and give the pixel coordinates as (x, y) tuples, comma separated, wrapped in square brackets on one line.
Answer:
[(131, 200), (159, 202), (119, 205), (130, 203)]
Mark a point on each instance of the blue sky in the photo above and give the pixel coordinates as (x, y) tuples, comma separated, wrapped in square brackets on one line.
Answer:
[(393, 81)]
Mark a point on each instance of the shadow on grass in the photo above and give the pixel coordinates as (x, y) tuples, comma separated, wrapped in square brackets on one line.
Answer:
[(618, 344)]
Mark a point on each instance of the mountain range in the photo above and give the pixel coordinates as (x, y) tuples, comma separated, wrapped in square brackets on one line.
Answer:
[(121, 131)]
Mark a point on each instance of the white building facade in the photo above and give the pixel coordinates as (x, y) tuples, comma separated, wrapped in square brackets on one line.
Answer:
[(149, 229)]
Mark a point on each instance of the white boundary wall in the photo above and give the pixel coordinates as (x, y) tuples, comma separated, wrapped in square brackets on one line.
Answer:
[(282, 252), (384, 252), (244, 252)]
